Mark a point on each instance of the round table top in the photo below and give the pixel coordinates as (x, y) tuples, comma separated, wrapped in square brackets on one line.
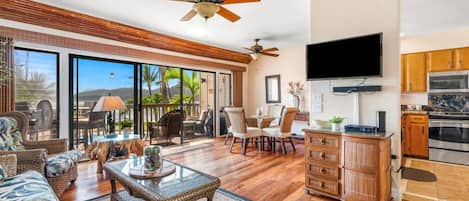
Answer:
[(117, 138)]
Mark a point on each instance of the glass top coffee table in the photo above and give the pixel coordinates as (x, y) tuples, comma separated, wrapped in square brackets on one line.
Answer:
[(184, 184)]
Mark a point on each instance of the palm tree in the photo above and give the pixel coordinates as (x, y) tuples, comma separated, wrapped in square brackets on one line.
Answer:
[(149, 76), (190, 81)]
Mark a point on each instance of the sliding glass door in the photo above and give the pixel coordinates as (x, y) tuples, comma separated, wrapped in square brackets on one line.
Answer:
[(165, 105), (93, 78)]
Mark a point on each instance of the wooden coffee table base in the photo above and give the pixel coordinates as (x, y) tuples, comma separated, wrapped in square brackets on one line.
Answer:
[(101, 151)]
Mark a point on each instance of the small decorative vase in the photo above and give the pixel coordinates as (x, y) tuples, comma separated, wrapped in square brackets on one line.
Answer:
[(153, 158), (335, 126), (258, 112), (298, 101)]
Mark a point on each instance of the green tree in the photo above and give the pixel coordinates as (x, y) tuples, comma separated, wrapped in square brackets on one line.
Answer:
[(32, 87), (190, 81), (149, 76)]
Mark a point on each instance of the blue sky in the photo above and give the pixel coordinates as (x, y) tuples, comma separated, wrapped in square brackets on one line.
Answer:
[(45, 63), (96, 75)]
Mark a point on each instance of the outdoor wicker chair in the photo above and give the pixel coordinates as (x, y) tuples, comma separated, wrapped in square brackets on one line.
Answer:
[(168, 126), (36, 153)]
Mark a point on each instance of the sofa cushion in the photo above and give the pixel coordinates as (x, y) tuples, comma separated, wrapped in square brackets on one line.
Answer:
[(10, 136), (28, 186), (3, 173), (60, 164)]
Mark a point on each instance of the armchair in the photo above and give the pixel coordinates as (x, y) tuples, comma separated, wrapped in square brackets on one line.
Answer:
[(169, 125), (36, 155)]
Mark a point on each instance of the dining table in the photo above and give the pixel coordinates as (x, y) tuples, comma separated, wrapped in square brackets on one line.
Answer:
[(259, 121)]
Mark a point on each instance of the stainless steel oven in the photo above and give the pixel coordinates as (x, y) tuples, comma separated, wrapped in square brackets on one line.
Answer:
[(448, 82), (449, 137)]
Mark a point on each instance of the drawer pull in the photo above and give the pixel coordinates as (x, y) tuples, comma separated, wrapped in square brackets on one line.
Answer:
[(323, 141), (322, 170), (322, 184), (322, 155)]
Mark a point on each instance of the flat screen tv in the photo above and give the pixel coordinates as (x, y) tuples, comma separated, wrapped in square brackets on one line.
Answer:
[(358, 57)]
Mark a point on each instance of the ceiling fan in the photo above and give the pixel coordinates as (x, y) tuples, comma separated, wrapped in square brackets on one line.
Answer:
[(208, 8), (258, 49)]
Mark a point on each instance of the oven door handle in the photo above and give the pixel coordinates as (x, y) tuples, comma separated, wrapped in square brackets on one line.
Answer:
[(448, 123)]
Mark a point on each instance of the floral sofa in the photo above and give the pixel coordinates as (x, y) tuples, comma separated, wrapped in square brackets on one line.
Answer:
[(50, 158)]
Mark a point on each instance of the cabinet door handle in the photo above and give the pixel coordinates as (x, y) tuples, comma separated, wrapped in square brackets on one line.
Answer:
[(460, 63), (322, 170), (449, 64), (322, 155)]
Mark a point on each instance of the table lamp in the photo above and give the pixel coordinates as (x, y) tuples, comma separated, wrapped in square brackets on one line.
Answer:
[(110, 104)]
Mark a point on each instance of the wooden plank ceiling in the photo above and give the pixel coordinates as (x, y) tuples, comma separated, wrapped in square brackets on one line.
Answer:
[(32, 12)]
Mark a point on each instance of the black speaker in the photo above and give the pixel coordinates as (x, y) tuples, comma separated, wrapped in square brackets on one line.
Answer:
[(381, 121)]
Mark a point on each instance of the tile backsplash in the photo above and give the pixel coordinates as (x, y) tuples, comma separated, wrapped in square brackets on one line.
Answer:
[(458, 102)]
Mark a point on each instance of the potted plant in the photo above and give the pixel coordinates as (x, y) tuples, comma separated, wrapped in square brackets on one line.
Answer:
[(335, 122), (126, 125), (153, 158)]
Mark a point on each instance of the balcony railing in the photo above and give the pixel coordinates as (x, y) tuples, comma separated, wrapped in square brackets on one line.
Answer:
[(153, 112)]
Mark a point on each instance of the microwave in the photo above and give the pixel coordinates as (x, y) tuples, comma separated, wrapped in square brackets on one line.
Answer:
[(448, 82)]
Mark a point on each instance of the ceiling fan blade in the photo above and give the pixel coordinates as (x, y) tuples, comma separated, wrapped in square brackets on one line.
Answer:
[(249, 49), (189, 15), (227, 14), (189, 1), (239, 1), (269, 54), (270, 49)]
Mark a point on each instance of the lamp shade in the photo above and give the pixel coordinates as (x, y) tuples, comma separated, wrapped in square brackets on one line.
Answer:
[(109, 103)]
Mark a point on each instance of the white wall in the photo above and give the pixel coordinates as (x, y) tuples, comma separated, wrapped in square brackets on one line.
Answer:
[(435, 41), (334, 19), (291, 67)]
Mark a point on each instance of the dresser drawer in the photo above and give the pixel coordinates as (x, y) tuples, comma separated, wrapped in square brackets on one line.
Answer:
[(323, 185), (417, 119), (321, 140), (322, 171), (328, 157)]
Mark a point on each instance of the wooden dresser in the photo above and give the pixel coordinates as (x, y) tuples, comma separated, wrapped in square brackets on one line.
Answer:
[(348, 166)]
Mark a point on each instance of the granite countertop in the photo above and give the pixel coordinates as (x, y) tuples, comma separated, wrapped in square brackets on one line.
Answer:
[(382, 135)]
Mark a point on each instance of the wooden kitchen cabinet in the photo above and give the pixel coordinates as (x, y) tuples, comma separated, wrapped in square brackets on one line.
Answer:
[(440, 60), (413, 73), (415, 133), (461, 58)]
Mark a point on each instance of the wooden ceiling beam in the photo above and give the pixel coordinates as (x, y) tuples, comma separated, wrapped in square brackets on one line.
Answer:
[(36, 13)]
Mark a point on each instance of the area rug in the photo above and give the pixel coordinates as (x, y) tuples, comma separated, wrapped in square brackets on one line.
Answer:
[(220, 195), (418, 175)]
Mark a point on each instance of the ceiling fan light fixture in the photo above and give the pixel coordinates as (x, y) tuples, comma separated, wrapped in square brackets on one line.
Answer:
[(254, 56), (206, 9)]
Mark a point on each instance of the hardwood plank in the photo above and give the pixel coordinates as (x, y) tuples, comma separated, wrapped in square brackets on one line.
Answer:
[(257, 176), (36, 13)]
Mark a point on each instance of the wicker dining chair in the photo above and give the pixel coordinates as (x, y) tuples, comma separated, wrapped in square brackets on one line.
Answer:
[(279, 134), (276, 112), (240, 128)]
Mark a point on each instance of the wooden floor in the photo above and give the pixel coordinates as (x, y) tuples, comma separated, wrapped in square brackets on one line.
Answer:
[(257, 176)]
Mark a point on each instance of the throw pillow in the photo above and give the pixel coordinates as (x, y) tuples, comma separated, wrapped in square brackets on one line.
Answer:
[(10, 136)]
